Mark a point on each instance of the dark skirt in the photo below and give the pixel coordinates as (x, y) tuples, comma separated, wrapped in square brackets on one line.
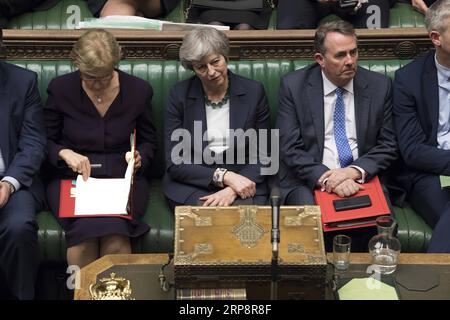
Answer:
[(81, 229)]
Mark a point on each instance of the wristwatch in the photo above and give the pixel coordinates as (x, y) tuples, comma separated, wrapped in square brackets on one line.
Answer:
[(12, 189), (218, 177)]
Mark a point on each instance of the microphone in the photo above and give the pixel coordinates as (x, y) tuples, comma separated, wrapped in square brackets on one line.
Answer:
[(275, 201)]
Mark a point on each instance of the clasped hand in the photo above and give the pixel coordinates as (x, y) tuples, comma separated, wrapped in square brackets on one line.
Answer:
[(341, 181), (236, 185), (243, 186), (222, 198)]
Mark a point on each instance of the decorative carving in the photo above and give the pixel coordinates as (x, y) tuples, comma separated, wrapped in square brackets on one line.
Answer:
[(111, 288), (203, 248), (296, 248), (406, 50), (203, 221), (405, 43), (320, 260), (292, 221), (248, 231)]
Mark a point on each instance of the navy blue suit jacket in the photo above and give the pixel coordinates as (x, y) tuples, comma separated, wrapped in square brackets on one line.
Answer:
[(301, 124), (416, 116), (22, 133), (186, 104)]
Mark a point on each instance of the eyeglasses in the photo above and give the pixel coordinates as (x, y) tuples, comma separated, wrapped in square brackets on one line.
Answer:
[(88, 78)]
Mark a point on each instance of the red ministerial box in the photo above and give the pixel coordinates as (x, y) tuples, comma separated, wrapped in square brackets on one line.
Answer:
[(353, 218)]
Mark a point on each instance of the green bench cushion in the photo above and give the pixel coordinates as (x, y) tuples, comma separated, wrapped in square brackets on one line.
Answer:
[(64, 14)]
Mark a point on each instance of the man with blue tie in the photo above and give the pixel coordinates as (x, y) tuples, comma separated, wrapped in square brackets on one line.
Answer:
[(22, 150), (422, 121), (335, 121)]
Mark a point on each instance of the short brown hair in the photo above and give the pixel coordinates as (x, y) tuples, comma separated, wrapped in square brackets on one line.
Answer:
[(96, 52), (339, 26)]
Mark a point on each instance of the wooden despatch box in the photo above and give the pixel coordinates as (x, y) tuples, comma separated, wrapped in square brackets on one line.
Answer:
[(230, 247)]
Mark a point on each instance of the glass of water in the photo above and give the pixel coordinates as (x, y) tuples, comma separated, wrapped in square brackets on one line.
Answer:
[(384, 247), (341, 252)]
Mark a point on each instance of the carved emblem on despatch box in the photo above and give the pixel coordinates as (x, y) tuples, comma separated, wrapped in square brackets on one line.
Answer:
[(112, 288), (248, 231)]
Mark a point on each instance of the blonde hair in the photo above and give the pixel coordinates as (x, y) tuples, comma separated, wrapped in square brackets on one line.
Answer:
[(96, 52)]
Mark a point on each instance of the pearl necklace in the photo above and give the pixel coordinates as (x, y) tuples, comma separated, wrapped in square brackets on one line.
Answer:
[(99, 99)]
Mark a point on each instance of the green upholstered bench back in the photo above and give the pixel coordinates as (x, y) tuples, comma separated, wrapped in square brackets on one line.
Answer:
[(66, 12), (162, 75)]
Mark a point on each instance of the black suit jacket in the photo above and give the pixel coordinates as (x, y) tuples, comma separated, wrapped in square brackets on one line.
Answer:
[(416, 116), (22, 132), (301, 124), (186, 104), (73, 122)]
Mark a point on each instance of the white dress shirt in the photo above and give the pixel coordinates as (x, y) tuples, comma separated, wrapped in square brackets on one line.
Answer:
[(14, 181), (443, 130), (330, 153), (218, 125)]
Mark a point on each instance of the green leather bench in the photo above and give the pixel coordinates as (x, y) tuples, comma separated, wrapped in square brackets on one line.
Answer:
[(64, 14), (413, 233)]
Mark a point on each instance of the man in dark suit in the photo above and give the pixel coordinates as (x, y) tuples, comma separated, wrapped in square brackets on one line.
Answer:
[(335, 121), (422, 121), (22, 150)]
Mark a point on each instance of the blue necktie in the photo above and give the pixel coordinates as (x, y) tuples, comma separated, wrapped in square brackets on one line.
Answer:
[(340, 135)]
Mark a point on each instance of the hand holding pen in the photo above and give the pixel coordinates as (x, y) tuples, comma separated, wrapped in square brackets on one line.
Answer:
[(78, 163)]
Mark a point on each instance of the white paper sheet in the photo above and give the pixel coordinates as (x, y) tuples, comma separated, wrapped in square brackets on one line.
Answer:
[(103, 196)]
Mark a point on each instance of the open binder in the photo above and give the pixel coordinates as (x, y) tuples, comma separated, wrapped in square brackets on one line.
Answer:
[(353, 218), (98, 197)]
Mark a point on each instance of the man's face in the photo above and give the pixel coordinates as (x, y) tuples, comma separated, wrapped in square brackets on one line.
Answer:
[(340, 59)]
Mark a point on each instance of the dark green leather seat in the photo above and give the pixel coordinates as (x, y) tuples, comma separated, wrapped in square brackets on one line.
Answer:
[(413, 233), (64, 14)]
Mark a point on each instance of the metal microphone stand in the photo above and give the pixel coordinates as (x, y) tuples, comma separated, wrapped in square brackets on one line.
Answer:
[(274, 271)]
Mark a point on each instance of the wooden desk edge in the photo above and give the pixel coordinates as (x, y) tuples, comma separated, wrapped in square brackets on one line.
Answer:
[(89, 273)]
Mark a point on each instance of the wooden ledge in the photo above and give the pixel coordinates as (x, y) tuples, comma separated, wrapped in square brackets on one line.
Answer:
[(404, 43)]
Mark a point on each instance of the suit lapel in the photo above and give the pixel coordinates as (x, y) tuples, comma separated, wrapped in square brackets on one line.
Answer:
[(362, 107), (195, 110), (238, 103), (314, 100), (430, 95), (4, 117)]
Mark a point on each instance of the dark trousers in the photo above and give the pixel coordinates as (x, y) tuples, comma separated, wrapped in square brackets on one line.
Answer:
[(433, 204), (19, 252), (306, 14)]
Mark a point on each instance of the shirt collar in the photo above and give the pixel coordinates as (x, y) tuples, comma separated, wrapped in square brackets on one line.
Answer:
[(329, 87), (443, 73)]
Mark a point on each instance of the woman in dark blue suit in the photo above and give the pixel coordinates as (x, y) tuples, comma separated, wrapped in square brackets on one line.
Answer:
[(89, 115), (206, 163)]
